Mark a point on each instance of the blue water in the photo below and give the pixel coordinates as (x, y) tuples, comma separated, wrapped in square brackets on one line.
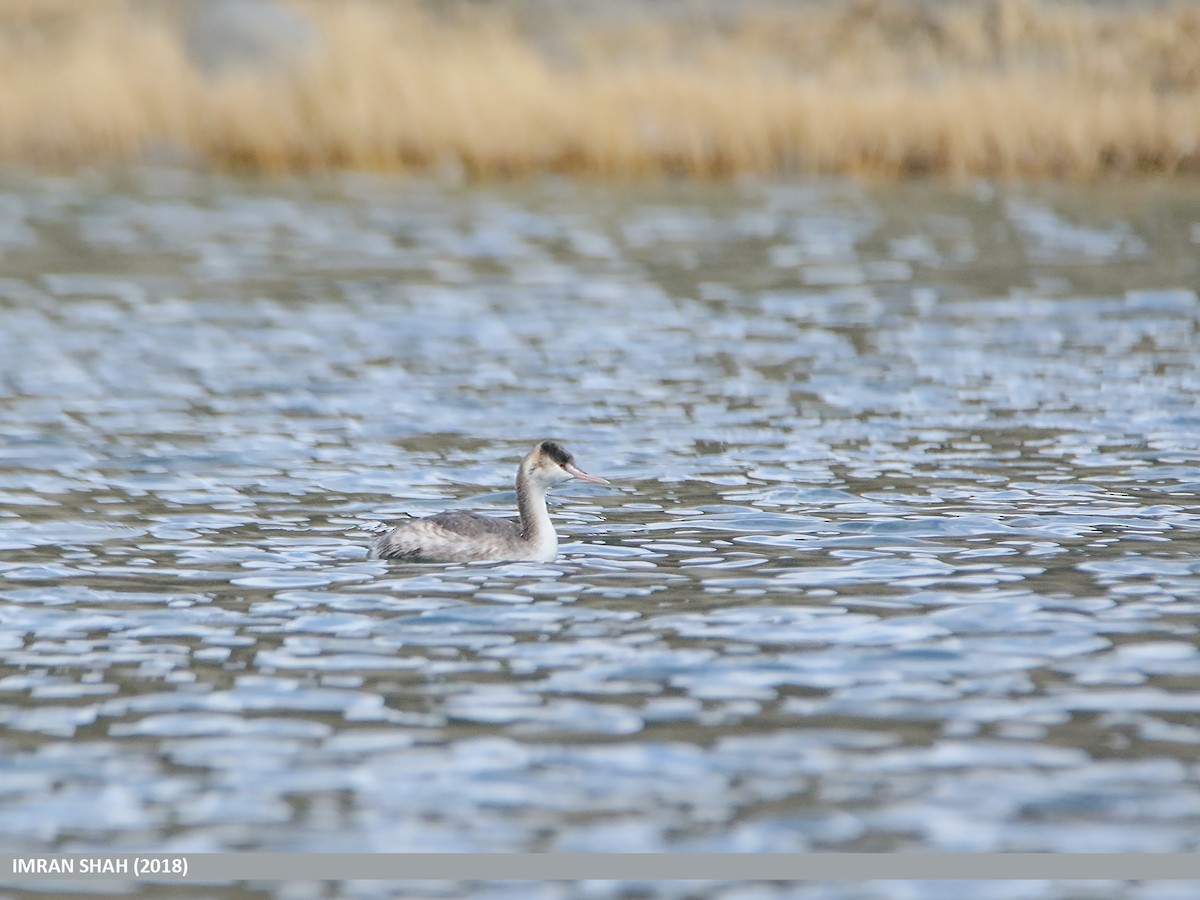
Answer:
[(902, 550)]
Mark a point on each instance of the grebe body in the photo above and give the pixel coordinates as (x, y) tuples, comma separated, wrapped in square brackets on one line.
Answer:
[(456, 536)]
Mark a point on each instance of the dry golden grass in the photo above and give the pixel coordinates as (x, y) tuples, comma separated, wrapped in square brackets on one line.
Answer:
[(1007, 87)]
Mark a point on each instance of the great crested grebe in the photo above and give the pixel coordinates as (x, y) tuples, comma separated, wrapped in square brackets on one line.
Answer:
[(455, 536)]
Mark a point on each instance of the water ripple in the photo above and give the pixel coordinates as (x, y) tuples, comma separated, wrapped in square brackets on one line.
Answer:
[(902, 550)]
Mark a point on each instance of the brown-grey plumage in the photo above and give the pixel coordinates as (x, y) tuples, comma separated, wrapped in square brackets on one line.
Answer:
[(455, 536)]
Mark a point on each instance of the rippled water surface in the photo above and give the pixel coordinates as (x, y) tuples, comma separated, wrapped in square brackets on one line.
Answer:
[(902, 549)]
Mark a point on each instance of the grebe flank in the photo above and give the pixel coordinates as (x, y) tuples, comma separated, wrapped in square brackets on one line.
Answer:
[(456, 536)]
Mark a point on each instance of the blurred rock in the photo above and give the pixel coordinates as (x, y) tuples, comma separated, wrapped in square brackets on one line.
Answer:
[(227, 35)]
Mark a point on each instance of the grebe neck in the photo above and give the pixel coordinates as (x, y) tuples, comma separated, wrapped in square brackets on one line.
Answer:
[(536, 527)]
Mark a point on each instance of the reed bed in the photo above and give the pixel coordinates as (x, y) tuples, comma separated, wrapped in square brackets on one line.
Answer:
[(888, 88)]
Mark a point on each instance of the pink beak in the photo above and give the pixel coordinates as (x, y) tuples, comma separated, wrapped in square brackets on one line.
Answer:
[(582, 475)]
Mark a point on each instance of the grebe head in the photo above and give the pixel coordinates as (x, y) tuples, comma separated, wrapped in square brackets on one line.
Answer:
[(549, 463)]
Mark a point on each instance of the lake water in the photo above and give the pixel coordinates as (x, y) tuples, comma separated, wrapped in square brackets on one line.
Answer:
[(902, 550)]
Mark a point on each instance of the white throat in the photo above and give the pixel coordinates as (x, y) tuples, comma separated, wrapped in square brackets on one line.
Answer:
[(537, 530)]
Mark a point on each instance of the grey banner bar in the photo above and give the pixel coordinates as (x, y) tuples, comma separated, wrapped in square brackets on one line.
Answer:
[(210, 867)]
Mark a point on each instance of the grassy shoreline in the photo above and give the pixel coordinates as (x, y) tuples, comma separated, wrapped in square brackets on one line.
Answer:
[(998, 88)]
